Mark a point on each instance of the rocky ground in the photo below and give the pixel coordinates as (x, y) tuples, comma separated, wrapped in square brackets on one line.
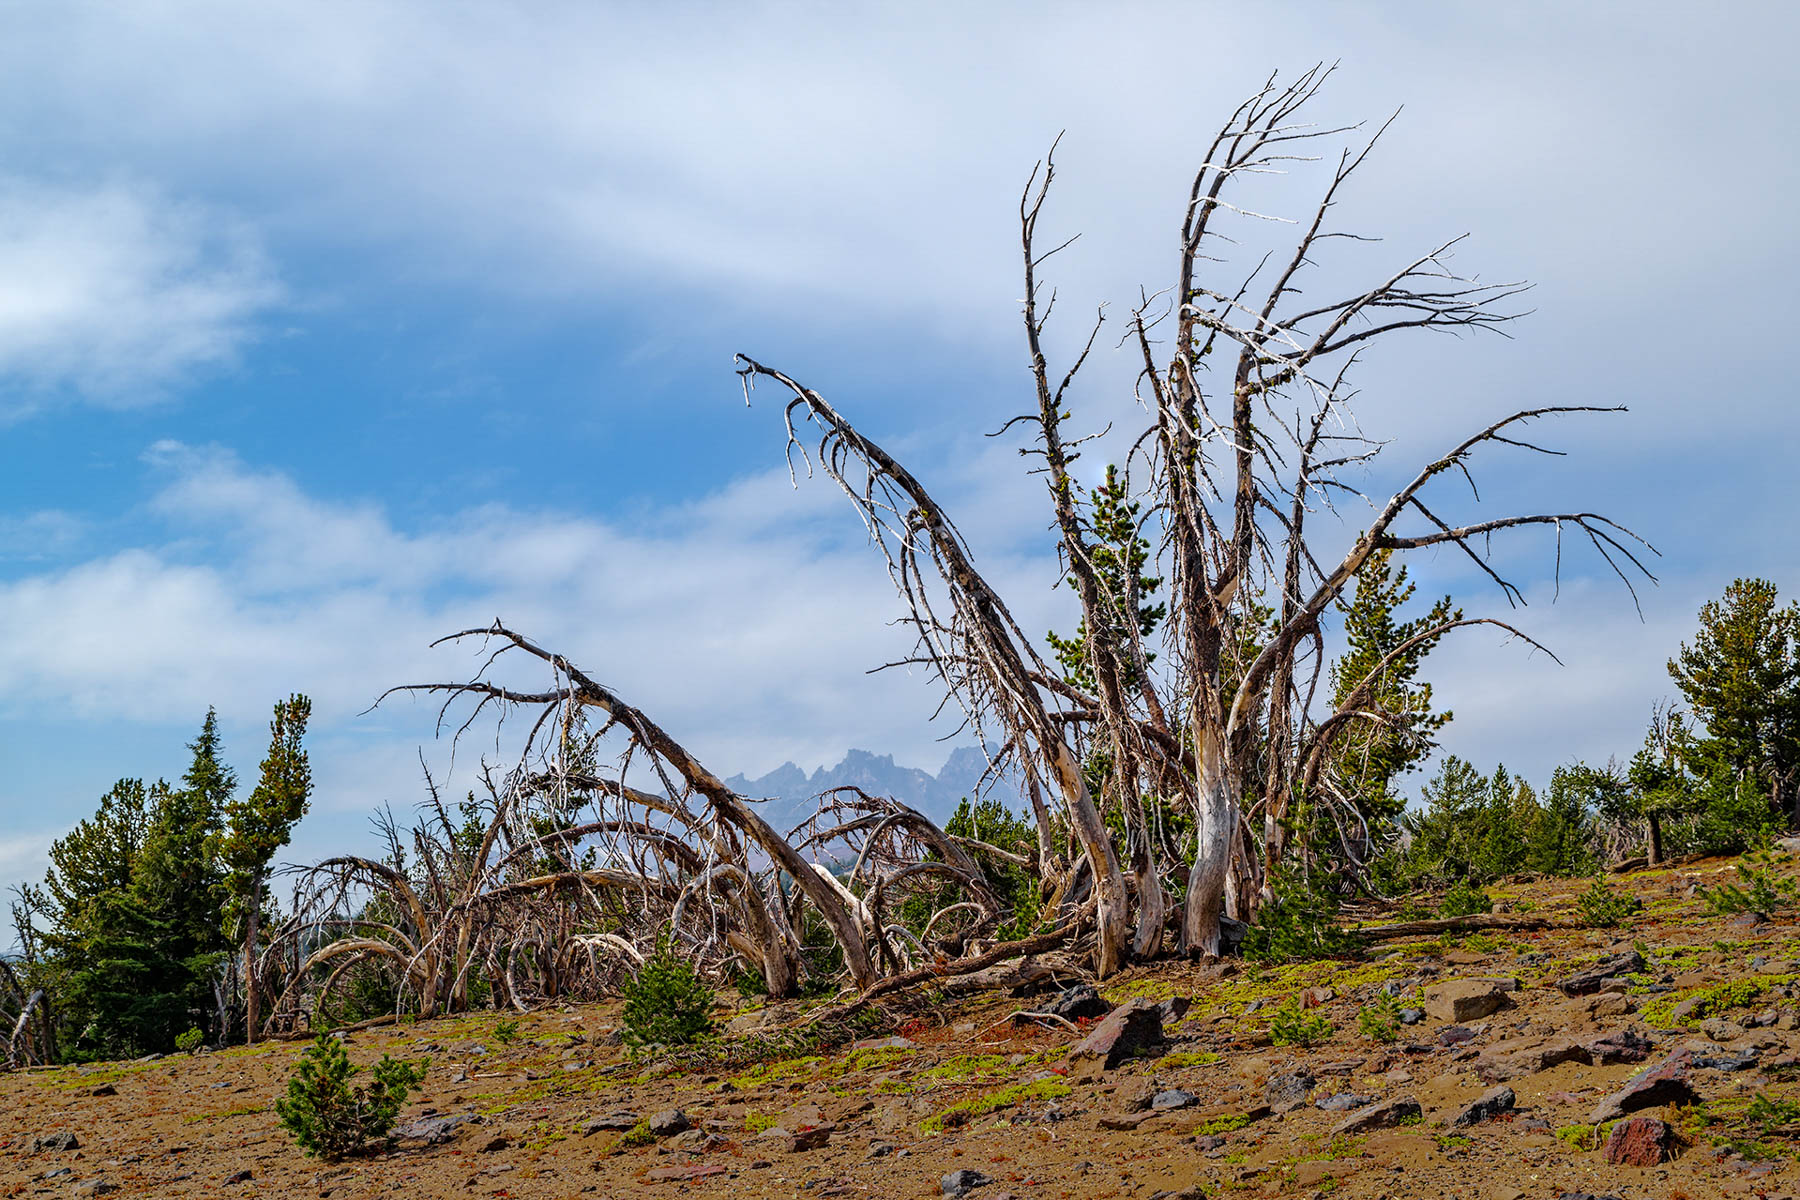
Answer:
[(1658, 1060)]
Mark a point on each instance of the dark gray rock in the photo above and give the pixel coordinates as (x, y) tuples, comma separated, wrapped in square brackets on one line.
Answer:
[(1484, 1107), (62, 1140), (1286, 1092), (961, 1183), (613, 1122), (1079, 1003), (1595, 978), (437, 1130), (1343, 1102), (1174, 1008)]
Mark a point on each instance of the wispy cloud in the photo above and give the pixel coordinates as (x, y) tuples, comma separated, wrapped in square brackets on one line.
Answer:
[(112, 294)]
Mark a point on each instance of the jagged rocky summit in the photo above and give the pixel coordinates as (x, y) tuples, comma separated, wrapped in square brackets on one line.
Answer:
[(791, 790)]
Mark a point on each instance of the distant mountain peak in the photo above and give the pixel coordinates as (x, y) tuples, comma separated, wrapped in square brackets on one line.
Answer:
[(790, 790)]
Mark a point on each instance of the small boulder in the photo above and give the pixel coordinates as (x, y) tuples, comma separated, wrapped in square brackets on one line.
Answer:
[(1287, 1092), (1460, 1000), (1664, 1083), (1174, 1008), (1721, 1030), (1173, 1098), (61, 1141), (1385, 1115), (1595, 978), (1135, 1095), (105, 1089), (1121, 1034), (436, 1130), (961, 1183), (669, 1122), (614, 1122), (1343, 1102), (1485, 1107), (1079, 1003), (809, 1139), (241, 1176), (1640, 1142)]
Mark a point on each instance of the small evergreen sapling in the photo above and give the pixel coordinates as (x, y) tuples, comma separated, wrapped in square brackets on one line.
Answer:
[(666, 1002), (1464, 899), (1759, 889), (1291, 1025), (1604, 907), (333, 1120)]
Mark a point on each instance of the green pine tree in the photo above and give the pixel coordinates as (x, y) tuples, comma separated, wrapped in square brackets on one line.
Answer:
[(177, 891), (256, 827), (1372, 756), (1741, 680)]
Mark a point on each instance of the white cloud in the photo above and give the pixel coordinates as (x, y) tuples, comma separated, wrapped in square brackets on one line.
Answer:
[(745, 621), (113, 293)]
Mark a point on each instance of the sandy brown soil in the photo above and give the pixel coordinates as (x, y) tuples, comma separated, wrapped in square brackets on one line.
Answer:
[(1035, 1125)]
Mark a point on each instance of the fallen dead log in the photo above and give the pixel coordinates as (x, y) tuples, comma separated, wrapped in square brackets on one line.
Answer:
[(939, 971), (1026, 972), (306, 1035), (1469, 924)]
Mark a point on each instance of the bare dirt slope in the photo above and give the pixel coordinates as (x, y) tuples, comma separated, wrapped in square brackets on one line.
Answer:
[(955, 1086)]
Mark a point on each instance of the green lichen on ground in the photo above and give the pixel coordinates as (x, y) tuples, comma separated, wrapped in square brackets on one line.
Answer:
[(780, 1070), (1188, 1058), (1721, 997), (979, 1106)]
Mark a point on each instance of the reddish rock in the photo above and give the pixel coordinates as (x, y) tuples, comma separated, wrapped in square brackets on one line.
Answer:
[(1379, 1116), (1640, 1142), (1511, 1059), (1121, 1034), (1664, 1083), (680, 1174)]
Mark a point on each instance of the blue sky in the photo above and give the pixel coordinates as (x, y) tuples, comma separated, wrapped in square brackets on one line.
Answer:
[(329, 328)]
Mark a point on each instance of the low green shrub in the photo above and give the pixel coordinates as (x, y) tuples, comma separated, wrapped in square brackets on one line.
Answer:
[(1291, 1025), (666, 1002), (1603, 906), (506, 1032), (1299, 921), (331, 1119), (190, 1041), (1759, 889), (1464, 899), (1379, 1020)]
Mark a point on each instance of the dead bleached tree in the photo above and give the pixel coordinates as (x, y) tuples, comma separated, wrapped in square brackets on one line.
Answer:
[(578, 866), (1164, 760), (1249, 436)]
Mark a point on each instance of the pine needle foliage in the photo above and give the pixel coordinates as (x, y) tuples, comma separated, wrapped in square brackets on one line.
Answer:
[(333, 1120), (666, 1002)]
